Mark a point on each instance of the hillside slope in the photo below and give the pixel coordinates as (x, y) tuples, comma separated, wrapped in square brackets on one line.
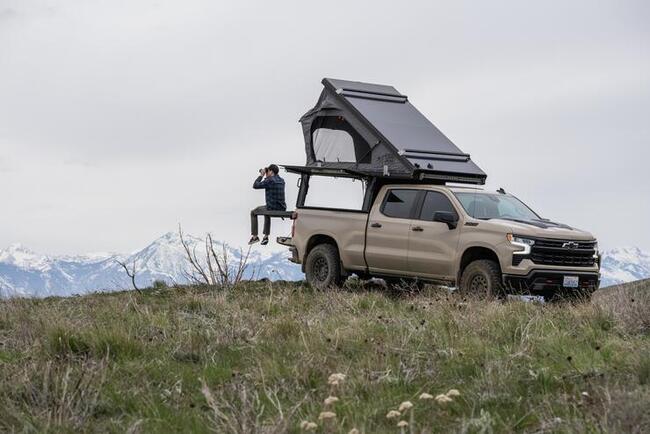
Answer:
[(257, 358)]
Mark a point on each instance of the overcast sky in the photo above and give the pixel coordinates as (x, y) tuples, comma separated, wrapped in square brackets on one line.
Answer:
[(118, 120)]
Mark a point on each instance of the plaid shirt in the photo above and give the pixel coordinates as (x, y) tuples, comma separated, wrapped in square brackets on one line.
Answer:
[(274, 189)]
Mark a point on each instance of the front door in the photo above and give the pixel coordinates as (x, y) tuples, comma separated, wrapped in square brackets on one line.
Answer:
[(432, 245), (388, 232)]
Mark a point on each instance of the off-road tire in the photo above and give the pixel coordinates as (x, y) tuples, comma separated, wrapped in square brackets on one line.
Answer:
[(323, 267), (482, 278)]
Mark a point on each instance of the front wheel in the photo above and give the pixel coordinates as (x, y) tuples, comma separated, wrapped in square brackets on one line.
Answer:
[(482, 278), (323, 267)]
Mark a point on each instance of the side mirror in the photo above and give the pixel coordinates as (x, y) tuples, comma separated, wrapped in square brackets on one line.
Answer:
[(451, 218)]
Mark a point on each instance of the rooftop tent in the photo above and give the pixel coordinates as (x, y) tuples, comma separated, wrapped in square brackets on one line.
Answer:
[(363, 129)]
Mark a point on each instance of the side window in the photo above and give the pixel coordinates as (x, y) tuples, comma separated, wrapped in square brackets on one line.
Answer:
[(335, 193), (398, 203), (334, 140), (333, 146), (433, 202)]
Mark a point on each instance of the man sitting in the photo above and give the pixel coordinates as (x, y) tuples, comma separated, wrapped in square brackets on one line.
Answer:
[(270, 181)]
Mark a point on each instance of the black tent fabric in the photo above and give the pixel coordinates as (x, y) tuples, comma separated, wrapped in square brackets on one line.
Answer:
[(373, 130)]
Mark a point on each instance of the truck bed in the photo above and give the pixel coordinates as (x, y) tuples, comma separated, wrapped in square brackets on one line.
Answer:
[(347, 227)]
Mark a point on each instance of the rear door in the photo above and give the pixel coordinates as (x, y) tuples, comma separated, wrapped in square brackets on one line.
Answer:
[(388, 231), (432, 245)]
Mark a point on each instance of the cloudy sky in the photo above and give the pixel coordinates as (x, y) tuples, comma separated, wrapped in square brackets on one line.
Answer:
[(118, 120)]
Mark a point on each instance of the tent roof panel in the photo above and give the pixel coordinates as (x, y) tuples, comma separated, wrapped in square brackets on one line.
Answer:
[(357, 86), (403, 125), (412, 141)]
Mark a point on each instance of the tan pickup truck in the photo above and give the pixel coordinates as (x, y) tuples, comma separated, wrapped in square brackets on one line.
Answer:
[(482, 242)]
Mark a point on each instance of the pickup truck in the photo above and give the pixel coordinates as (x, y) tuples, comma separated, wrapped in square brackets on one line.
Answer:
[(487, 243)]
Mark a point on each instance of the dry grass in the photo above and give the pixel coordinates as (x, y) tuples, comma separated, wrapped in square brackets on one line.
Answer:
[(630, 306), (258, 358)]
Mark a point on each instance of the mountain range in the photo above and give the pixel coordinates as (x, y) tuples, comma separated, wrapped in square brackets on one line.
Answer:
[(24, 273), (624, 264)]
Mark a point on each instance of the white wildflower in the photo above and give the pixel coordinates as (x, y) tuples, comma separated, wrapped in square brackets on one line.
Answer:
[(393, 414), (331, 400), (327, 415), (335, 379), (426, 396), (308, 426), (406, 405)]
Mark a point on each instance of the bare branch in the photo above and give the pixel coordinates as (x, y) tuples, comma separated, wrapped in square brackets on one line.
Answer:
[(217, 271), (208, 249), (191, 257), (130, 273), (243, 264)]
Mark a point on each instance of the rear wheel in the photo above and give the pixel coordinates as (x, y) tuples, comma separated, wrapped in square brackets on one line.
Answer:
[(482, 278), (323, 267)]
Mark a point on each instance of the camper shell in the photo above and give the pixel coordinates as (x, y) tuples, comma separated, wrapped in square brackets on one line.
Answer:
[(364, 130), (372, 132)]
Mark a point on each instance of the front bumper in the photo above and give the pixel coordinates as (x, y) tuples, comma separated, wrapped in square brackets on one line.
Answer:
[(550, 282)]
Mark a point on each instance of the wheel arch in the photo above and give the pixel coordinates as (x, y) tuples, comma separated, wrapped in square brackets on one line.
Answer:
[(314, 241), (475, 253)]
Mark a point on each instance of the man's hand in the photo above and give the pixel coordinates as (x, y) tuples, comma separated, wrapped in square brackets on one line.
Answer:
[(262, 172)]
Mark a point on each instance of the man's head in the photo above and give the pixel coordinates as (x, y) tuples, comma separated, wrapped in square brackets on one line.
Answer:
[(273, 170)]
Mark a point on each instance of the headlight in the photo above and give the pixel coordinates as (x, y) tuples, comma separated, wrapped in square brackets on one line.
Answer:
[(596, 251), (523, 243)]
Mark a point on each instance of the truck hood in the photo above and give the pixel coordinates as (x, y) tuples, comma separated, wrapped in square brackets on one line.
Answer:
[(541, 229)]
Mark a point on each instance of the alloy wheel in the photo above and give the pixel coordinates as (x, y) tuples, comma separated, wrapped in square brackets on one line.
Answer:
[(479, 285), (321, 269)]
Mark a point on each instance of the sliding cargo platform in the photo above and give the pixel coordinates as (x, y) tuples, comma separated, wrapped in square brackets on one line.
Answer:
[(277, 214)]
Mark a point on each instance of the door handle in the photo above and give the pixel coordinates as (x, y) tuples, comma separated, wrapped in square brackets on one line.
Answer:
[(417, 229), (375, 225)]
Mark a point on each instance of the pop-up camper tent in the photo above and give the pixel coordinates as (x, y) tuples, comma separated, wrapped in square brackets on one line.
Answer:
[(372, 131)]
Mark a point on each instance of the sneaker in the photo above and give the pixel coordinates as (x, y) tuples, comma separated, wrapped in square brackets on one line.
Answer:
[(265, 241), (254, 239)]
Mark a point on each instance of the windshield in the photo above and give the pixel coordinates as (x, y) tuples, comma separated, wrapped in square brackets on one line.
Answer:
[(495, 206)]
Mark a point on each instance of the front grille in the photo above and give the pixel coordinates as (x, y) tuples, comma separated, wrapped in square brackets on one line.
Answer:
[(563, 252)]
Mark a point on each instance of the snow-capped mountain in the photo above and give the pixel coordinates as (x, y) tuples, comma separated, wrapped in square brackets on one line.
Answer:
[(624, 264), (26, 273), (20, 256)]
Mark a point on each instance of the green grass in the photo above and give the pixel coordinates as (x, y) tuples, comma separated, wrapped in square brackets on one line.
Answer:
[(257, 358)]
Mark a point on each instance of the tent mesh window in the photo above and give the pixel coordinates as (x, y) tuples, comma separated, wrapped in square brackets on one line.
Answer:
[(335, 141)]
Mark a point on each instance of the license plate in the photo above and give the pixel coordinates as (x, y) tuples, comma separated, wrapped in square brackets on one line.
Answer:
[(571, 281)]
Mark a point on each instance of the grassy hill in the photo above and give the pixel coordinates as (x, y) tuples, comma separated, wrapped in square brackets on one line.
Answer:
[(259, 358)]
